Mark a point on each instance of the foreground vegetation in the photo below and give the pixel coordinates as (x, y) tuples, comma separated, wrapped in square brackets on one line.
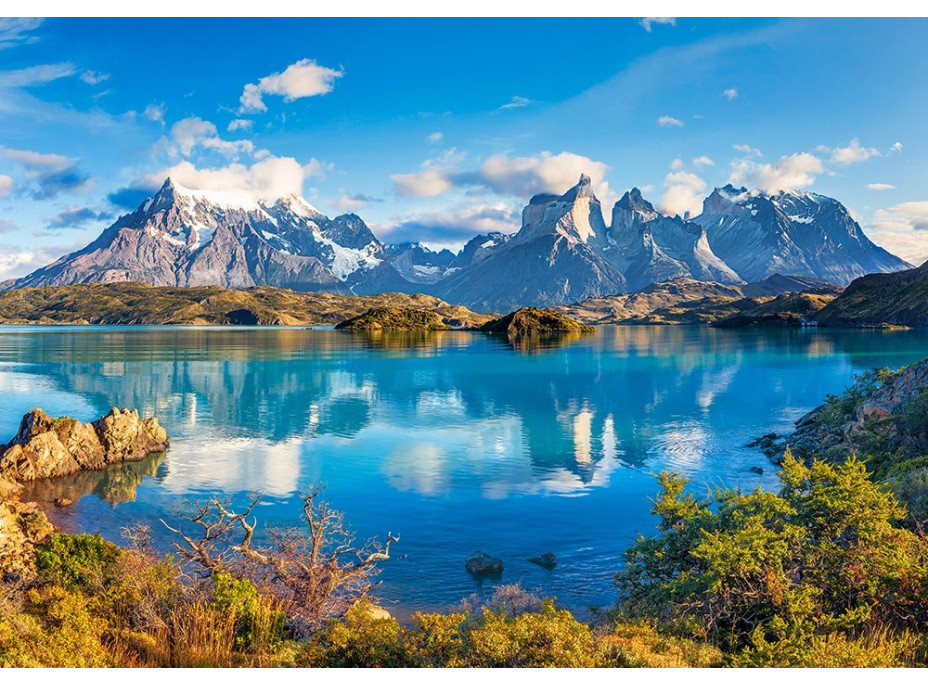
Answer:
[(830, 570)]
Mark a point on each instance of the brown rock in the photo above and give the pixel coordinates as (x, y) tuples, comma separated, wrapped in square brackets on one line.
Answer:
[(63, 502), (45, 447)]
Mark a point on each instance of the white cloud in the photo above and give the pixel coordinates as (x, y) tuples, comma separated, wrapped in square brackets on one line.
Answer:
[(192, 133), (545, 172), (16, 31), (677, 163), (730, 93), (703, 161), (317, 168), (302, 79), (515, 102), (271, 178), (92, 78), (35, 76), (6, 185), (16, 262), (453, 227), (666, 121), (521, 177), (895, 147), (880, 187), (154, 112), (684, 194), (791, 171), (38, 161), (747, 150), (903, 229), (52, 173), (349, 202), (239, 125), (648, 22), (424, 184), (434, 137), (853, 153)]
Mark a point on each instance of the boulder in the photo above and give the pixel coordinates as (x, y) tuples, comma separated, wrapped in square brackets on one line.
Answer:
[(546, 560), (46, 447), (483, 564)]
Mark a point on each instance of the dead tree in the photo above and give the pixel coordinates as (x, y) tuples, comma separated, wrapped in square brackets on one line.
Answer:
[(317, 568)]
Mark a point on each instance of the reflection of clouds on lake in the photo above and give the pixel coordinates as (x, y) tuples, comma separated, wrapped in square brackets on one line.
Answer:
[(714, 382), (212, 465)]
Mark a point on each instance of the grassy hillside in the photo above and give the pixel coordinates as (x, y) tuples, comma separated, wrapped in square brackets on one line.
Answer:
[(137, 303), (899, 299)]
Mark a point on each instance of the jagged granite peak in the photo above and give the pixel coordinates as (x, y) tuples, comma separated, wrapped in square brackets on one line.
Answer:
[(576, 215), (791, 232), (558, 256), (631, 208), (649, 247), (480, 247)]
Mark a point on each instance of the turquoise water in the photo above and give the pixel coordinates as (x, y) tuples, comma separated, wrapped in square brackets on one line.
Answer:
[(455, 440)]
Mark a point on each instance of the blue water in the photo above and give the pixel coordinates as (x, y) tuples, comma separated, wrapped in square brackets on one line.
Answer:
[(457, 441)]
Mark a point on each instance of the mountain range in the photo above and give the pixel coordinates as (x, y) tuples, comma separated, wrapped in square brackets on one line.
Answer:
[(564, 251)]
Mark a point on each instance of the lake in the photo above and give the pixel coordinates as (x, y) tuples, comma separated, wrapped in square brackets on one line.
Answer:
[(457, 441)]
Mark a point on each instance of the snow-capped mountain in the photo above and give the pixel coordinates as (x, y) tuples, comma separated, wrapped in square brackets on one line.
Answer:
[(182, 237), (650, 247), (790, 232), (564, 251), (558, 256)]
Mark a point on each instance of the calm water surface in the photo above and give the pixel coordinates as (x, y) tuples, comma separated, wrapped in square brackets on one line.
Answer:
[(455, 440)]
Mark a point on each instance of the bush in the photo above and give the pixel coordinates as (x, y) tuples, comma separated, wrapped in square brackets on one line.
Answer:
[(258, 624), (641, 645), (823, 555), (79, 561)]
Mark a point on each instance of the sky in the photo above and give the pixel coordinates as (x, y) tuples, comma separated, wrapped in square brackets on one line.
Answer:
[(438, 129)]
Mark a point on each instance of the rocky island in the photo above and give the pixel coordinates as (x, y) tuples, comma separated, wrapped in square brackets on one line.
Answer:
[(395, 319), (535, 321)]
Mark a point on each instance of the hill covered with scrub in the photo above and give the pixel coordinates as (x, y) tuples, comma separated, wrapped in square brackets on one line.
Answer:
[(138, 303)]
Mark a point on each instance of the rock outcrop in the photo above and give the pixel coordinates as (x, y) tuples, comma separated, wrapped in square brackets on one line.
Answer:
[(22, 527), (534, 321), (46, 447)]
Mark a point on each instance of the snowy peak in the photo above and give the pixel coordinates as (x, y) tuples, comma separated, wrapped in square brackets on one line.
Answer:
[(791, 232)]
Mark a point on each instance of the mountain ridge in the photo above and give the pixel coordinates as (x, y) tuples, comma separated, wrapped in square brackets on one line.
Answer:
[(564, 251)]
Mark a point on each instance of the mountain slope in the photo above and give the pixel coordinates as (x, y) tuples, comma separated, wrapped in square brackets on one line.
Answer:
[(790, 232), (900, 299), (651, 247)]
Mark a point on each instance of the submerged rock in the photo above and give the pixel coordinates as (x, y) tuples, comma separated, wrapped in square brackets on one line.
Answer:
[(546, 560), (46, 447), (483, 564)]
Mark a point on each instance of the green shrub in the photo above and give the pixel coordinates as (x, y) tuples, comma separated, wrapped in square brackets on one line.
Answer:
[(258, 623), (823, 555), (77, 561)]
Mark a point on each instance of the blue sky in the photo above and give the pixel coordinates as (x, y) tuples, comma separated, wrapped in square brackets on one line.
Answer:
[(435, 130)]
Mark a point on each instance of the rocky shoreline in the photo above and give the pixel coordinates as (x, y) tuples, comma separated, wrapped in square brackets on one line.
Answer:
[(46, 447)]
